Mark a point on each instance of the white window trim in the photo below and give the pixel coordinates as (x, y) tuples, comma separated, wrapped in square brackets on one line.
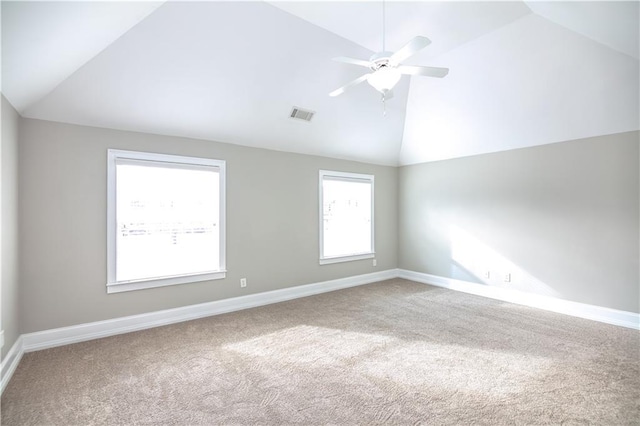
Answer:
[(114, 286), (344, 176)]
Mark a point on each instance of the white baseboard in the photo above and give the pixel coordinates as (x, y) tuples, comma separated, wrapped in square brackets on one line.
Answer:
[(547, 303), (94, 330), (79, 333), (10, 363)]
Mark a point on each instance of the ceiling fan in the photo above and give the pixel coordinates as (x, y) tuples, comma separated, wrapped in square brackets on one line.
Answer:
[(386, 67)]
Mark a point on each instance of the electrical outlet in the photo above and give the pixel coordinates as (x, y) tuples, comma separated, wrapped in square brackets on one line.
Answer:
[(507, 278), (375, 262), (243, 282)]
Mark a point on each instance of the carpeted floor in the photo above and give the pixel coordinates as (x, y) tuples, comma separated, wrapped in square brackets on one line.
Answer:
[(394, 352)]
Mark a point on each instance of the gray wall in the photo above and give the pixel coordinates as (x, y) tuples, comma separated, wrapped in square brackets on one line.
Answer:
[(9, 232), (561, 218), (272, 223)]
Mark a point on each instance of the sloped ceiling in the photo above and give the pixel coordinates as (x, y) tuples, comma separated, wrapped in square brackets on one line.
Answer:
[(43, 43), (565, 87), (614, 24), (521, 74)]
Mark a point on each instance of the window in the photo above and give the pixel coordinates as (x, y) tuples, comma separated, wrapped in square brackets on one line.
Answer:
[(346, 217), (165, 220)]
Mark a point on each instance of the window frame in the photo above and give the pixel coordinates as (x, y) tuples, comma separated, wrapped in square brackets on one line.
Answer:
[(344, 176), (114, 286)]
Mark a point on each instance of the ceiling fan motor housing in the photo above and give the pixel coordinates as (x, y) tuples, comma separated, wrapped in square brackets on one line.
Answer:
[(381, 59)]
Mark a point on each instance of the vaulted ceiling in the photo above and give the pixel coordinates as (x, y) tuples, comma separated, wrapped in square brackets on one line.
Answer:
[(521, 73)]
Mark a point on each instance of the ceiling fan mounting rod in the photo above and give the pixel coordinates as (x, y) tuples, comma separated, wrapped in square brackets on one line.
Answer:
[(383, 26)]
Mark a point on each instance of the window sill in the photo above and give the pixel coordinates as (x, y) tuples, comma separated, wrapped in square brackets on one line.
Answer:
[(162, 282), (329, 260)]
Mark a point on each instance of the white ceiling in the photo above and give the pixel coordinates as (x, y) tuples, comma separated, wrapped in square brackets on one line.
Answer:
[(522, 74), (43, 43), (447, 24), (565, 87), (614, 24)]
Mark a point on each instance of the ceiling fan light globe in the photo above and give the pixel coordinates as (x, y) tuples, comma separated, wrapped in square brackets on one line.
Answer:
[(384, 79)]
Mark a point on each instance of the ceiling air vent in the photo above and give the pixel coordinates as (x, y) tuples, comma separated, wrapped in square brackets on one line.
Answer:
[(301, 114)]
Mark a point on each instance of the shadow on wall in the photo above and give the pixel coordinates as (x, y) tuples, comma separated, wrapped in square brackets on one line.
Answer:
[(487, 266)]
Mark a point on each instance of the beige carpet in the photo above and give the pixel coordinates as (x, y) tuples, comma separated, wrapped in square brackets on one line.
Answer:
[(395, 352)]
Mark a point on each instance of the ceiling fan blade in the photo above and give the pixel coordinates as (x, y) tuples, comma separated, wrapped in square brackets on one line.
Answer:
[(353, 61), (426, 71), (343, 89), (409, 49)]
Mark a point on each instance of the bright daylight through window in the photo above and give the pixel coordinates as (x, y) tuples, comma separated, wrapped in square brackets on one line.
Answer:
[(165, 220), (346, 217)]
